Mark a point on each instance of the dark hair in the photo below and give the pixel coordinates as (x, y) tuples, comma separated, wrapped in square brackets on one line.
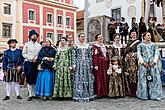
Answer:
[(141, 19), (112, 19), (133, 18), (81, 34), (96, 36), (133, 30), (57, 43), (41, 42), (117, 34), (64, 38)]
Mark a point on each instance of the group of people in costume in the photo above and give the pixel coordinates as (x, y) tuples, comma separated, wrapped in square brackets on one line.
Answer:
[(83, 72)]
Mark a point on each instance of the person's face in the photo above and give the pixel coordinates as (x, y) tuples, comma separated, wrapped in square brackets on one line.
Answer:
[(147, 37), (48, 44), (63, 42), (34, 37), (142, 19), (12, 44), (82, 38), (134, 20), (117, 39), (133, 35), (115, 62), (100, 38)]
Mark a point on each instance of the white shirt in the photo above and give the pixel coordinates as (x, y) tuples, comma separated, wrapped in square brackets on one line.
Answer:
[(31, 50)]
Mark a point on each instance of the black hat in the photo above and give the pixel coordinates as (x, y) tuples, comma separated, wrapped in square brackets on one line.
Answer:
[(122, 18), (133, 30), (33, 32), (12, 40)]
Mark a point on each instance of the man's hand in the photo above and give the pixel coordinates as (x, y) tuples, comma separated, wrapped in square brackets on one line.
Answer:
[(152, 64), (18, 68)]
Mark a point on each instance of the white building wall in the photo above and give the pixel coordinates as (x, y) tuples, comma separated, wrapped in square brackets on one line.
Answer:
[(159, 15), (105, 7)]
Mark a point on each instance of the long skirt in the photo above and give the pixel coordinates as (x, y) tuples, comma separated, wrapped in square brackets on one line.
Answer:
[(45, 83), (101, 78), (116, 88), (83, 80), (31, 72), (149, 90)]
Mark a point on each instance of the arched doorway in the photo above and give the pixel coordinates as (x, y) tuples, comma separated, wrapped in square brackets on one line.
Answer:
[(94, 28)]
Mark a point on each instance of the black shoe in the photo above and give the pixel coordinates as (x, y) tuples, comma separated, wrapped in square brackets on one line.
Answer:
[(6, 98), (45, 98), (29, 99), (19, 97)]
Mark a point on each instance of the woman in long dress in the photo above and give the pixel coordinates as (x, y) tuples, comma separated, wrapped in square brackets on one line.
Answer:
[(83, 78), (115, 71), (63, 63), (149, 82), (46, 76)]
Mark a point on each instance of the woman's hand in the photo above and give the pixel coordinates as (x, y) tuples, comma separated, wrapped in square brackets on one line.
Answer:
[(152, 64), (96, 68), (146, 65)]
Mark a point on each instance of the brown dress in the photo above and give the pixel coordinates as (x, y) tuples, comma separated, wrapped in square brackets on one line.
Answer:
[(131, 75), (130, 65), (115, 85), (116, 81)]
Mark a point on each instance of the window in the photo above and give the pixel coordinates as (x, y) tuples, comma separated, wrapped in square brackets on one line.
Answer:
[(97, 1), (6, 30), (59, 36), (49, 18), (50, 35), (31, 15), (59, 19), (68, 21), (151, 12), (7, 8), (116, 14)]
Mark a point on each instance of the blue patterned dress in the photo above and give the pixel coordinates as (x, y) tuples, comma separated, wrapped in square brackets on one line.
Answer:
[(83, 78), (153, 89)]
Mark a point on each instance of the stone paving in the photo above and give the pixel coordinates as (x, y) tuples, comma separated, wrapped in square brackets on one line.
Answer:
[(98, 104)]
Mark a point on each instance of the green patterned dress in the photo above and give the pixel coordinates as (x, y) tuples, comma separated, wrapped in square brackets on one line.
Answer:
[(63, 86)]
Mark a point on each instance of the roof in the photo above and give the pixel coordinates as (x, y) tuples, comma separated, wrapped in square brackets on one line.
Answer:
[(80, 14)]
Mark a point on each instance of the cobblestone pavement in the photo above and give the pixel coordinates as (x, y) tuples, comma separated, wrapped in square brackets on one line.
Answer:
[(98, 104)]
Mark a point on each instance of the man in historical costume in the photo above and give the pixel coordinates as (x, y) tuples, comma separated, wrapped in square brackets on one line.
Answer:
[(123, 30), (12, 63), (149, 82), (100, 66), (30, 53), (112, 26), (131, 75)]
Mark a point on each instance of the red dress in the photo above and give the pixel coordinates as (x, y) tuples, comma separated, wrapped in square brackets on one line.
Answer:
[(100, 59)]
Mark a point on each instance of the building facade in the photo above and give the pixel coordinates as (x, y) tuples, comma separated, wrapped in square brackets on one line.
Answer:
[(7, 22), (117, 9), (50, 18)]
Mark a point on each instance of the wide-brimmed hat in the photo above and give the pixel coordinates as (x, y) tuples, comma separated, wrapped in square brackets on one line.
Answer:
[(12, 40), (33, 32)]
